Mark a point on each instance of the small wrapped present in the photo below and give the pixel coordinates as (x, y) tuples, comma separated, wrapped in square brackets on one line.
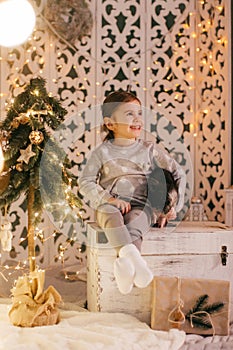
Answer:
[(197, 306)]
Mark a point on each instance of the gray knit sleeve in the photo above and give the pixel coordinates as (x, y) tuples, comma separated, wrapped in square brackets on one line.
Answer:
[(88, 182)]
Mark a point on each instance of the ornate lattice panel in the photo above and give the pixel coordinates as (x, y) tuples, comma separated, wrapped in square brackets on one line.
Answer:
[(120, 58), (213, 105), (170, 80), (172, 54)]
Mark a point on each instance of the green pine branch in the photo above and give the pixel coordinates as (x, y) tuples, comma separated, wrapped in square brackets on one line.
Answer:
[(213, 308), (202, 322), (201, 302), (47, 170), (198, 315)]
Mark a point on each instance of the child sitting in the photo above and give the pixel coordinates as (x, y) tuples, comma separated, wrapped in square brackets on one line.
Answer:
[(114, 182)]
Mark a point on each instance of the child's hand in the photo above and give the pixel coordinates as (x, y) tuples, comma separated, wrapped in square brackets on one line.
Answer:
[(124, 206)]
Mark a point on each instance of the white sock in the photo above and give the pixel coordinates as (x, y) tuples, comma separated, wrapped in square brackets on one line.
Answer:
[(124, 272), (143, 275)]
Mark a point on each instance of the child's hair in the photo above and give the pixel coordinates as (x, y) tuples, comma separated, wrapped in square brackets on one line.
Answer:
[(110, 104), (162, 190)]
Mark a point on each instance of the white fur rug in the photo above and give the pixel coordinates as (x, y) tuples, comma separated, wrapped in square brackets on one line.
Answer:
[(217, 342), (79, 330)]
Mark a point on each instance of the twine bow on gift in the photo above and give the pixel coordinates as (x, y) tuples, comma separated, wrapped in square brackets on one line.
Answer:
[(176, 316), (201, 314)]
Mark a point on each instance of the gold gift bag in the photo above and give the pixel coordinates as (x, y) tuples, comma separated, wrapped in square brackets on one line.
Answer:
[(30, 310), (197, 306)]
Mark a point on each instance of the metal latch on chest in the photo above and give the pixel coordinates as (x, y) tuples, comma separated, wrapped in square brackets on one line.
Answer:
[(224, 255)]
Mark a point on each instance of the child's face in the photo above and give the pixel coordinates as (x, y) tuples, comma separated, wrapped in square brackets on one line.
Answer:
[(127, 120)]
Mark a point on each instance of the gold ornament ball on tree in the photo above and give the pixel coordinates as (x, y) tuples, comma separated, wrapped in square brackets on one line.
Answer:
[(15, 123), (19, 167), (36, 137), (24, 119)]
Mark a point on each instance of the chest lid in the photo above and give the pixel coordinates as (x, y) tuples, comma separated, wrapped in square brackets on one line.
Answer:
[(196, 237)]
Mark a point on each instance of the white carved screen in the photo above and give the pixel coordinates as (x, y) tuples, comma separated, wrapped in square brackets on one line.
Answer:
[(213, 105), (149, 48)]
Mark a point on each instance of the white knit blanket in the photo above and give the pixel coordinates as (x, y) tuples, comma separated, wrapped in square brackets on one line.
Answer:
[(217, 342), (87, 331)]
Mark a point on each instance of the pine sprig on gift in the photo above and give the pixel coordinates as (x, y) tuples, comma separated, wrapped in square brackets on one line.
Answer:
[(213, 308), (200, 321), (201, 302), (199, 315)]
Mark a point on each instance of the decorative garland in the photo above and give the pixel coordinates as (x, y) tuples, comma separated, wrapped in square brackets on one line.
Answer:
[(72, 19)]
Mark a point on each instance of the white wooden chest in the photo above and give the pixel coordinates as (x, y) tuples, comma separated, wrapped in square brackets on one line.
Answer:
[(192, 249)]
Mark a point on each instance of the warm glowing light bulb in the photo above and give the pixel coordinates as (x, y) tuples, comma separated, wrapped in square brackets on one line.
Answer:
[(17, 21)]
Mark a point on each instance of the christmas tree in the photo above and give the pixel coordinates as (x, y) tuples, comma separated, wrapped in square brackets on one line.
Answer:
[(34, 163), (44, 177)]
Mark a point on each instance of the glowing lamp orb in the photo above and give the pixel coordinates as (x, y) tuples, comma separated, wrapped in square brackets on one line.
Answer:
[(17, 21)]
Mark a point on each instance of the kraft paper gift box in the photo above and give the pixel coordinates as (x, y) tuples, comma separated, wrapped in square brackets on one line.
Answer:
[(199, 306)]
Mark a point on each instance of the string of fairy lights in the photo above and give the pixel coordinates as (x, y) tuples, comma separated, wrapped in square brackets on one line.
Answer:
[(6, 270), (188, 76), (193, 28)]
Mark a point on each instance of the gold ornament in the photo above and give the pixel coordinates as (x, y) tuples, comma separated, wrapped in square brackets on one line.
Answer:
[(26, 154), (49, 107), (19, 167), (23, 118), (36, 137), (15, 123)]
